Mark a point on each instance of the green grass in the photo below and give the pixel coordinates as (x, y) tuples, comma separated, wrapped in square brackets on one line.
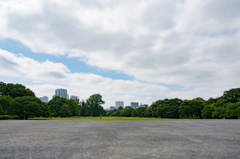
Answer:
[(103, 118)]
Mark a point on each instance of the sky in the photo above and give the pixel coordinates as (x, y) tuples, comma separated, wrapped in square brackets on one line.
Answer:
[(125, 50)]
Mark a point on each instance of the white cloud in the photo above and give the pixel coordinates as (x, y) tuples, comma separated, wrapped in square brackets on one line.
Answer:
[(192, 44), (44, 77)]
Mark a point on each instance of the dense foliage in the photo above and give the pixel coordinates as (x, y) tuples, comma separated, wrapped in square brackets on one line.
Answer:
[(226, 106), (17, 101), (15, 90), (94, 102)]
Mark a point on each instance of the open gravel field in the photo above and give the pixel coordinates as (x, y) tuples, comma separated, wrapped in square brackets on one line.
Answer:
[(120, 139)]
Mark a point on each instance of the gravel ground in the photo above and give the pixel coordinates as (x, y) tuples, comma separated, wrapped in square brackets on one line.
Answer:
[(120, 139)]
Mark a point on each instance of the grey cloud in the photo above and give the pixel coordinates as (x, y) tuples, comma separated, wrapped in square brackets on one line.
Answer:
[(181, 48), (90, 4), (55, 75), (7, 64), (60, 28), (160, 16), (224, 10)]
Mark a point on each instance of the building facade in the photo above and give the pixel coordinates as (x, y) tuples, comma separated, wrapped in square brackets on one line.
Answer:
[(74, 97), (112, 108), (143, 105), (118, 104), (134, 104), (44, 99), (61, 93)]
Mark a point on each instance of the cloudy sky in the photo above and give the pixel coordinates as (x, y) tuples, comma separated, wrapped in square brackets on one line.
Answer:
[(125, 50)]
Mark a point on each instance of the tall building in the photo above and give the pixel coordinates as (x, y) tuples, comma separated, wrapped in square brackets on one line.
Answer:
[(61, 93), (74, 97), (44, 99), (128, 106), (112, 108), (134, 104), (118, 104), (143, 105)]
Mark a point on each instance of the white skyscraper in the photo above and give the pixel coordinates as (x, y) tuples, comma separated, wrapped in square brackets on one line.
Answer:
[(61, 93), (118, 104)]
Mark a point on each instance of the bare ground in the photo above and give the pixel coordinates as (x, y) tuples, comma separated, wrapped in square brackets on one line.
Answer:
[(120, 139)]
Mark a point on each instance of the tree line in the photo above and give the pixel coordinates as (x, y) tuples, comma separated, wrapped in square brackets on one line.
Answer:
[(17, 101), (226, 106)]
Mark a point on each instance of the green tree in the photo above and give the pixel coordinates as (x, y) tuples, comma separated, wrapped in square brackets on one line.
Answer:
[(117, 113), (191, 108), (55, 105), (94, 102), (231, 110), (64, 111), (15, 90), (73, 106), (31, 109), (232, 95), (5, 102), (84, 109), (1, 111), (44, 109), (199, 99), (148, 112), (237, 110), (167, 108), (219, 112), (153, 108), (120, 108), (27, 106), (221, 103), (102, 112), (110, 112), (139, 112), (207, 111), (211, 101)]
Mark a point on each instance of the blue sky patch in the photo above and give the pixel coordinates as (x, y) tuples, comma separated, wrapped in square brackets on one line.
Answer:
[(74, 64)]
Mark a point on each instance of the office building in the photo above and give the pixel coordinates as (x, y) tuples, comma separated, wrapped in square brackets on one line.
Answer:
[(134, 104), (44, 99), (143, 105), (74, 97), (118, 104), (112, 108), (61, 93), (128, 107)]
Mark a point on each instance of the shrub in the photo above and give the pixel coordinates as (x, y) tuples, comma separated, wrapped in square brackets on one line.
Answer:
[(3, 117), (15, 117)]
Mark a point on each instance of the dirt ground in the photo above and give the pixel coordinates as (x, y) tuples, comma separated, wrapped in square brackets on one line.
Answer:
[(180, 139)]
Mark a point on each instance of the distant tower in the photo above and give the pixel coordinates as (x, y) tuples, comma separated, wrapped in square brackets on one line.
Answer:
[(61, 93), (134, 104), (74, 97), (118, 104), (44, 99)]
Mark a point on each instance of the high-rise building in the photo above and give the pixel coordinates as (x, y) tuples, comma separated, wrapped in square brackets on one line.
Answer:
[(61, 93), (143, 105), (118, 104), (74, 97), (128, 106), (134, 104), (112, 108), (44, 99)]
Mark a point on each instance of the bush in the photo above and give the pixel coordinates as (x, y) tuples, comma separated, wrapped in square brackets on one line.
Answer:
[(15, 117), (3, 117)]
